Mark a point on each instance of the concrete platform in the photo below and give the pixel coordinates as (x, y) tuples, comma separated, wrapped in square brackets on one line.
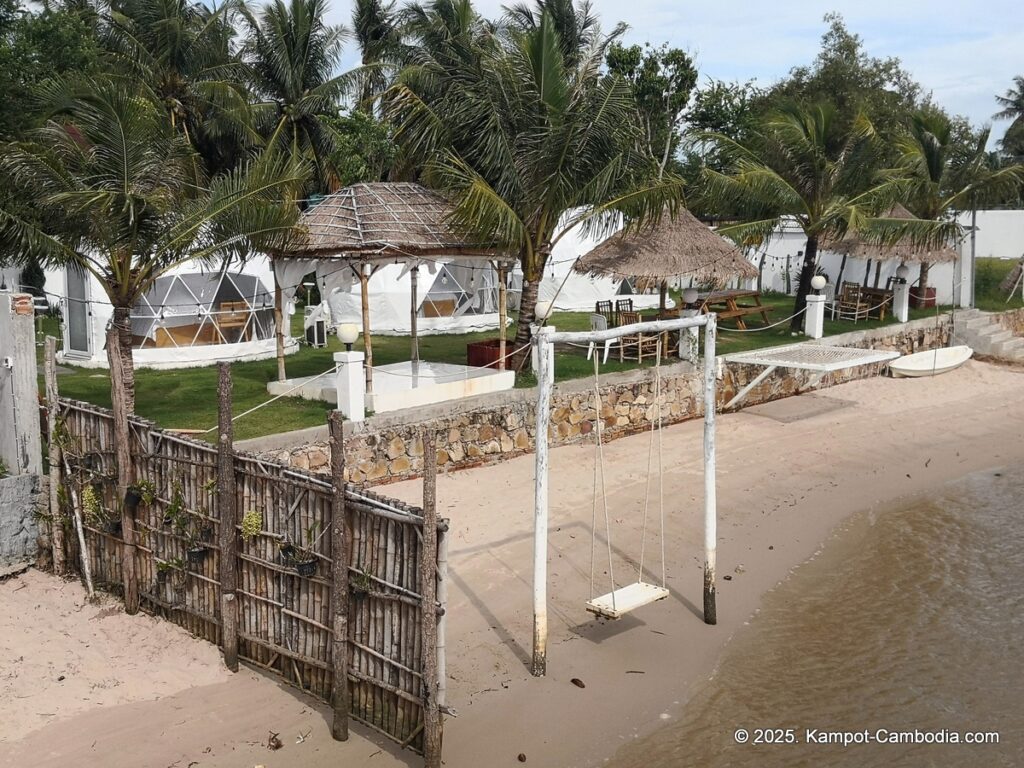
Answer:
[(403, 385)]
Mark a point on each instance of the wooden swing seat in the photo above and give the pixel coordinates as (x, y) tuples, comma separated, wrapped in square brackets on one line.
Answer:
[(617, 604)]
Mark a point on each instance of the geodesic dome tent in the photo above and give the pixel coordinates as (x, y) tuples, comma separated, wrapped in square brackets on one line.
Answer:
[(194, 309)]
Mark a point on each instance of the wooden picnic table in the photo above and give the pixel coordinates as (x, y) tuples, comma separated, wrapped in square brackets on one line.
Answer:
[(879, 299), (734, 305)]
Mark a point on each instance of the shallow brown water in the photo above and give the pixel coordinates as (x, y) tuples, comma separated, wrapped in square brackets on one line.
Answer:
[(911, 619)]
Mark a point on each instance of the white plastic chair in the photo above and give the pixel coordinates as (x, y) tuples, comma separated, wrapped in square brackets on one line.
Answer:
[(599, 323)]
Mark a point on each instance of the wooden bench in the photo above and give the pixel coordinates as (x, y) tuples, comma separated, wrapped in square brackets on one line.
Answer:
[(743, 311)]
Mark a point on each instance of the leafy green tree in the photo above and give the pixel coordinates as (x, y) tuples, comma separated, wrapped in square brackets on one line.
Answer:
[(662, 80), (806, 165), (292, 56), (114, 185), (844, 75), (576, 25), (940, 175), (365, 149), (525, 141)]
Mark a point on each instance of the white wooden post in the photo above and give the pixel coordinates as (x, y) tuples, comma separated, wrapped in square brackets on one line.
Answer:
[(545, 375), (814, 317), (710, 501), (351, 385)]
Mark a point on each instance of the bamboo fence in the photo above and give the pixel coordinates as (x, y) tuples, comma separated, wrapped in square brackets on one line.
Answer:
[(284, 618)]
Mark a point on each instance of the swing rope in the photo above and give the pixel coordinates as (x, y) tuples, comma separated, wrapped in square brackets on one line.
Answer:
[(600, 488), (599, 470)]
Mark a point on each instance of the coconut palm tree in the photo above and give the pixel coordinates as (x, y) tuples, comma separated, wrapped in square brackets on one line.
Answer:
[(292, 56), (115, 190), (801, 165), (938, 176), (577, 26), (376, 29), (1012, 103), (184, 52), (525, 141)]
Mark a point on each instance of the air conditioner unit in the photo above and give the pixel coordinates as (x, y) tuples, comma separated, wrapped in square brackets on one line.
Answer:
[(316, 334)]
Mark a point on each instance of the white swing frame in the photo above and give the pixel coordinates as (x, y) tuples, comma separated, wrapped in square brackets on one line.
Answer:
[(544, 341)]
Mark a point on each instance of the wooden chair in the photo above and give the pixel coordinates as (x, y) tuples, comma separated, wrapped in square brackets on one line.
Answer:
[(623, 305), (604, 308), (851, 305), (638, 344)]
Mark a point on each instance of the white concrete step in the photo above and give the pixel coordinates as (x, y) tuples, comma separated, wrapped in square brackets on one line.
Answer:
[(1008, 348)]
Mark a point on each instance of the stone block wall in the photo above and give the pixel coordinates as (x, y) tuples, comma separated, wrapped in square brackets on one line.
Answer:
[(388, 447), (19, 521), (1013, 320)]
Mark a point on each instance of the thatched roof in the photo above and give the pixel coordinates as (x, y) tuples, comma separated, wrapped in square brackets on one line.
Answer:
[(903, 249), (681, 246), (382, 219)]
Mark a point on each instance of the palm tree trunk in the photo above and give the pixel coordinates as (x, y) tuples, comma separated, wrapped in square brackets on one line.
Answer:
[(119, 353), (922, 285), (532, 276), (122, 397), (804, 288)]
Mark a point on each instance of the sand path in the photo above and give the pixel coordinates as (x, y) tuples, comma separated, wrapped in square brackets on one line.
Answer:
[(788, 473)]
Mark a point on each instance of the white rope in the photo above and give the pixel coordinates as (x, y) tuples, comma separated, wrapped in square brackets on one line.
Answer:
[(660, 477), (764, 327), (599, 463)]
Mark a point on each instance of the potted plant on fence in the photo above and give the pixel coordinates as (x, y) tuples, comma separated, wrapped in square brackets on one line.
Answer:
[(96, 515), (300, 557)]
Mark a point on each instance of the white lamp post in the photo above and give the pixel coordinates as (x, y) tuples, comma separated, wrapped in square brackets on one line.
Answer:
[(814, 318), (350, 381)]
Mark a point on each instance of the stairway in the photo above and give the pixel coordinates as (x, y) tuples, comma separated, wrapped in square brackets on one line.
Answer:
[(982, 333)]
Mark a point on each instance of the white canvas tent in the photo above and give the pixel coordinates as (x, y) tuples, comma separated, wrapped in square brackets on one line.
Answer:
[(575, 292), (193, 316)]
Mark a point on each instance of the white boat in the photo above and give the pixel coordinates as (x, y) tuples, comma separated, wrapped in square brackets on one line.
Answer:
[(931, 362)]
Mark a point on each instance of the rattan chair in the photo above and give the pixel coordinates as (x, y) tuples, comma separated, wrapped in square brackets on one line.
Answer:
[(636, 345)]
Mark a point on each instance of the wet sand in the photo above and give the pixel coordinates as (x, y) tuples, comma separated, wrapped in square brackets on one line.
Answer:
[(788, 474)]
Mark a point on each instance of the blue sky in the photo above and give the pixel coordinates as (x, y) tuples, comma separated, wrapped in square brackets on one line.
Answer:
[(964, 53)]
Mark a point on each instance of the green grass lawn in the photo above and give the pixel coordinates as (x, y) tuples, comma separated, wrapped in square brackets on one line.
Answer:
[(187, 399)]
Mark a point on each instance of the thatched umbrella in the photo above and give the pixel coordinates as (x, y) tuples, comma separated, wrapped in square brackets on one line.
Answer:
[(904, 249), (374, 223), (674, 247)]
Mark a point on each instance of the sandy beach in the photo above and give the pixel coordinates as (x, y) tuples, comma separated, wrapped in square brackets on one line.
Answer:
[(138, 692)]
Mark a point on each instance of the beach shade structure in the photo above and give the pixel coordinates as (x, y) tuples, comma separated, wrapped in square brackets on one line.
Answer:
[(903, 249), (679, 246), (366, 226)]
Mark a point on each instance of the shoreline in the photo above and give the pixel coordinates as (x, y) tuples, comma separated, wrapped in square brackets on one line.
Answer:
[(790, 473)]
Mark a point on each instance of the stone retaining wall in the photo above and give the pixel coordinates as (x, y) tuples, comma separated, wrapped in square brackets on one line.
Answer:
[(1013, 320), (388, 447)]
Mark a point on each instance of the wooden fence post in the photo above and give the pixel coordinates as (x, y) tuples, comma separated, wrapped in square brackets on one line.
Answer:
[(428, 589), (125, 476), (228, 513), (340, 696), (52, 397)]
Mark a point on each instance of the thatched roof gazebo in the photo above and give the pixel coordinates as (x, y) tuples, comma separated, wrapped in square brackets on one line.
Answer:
[(674, 247), (904, 249), (370, 224)]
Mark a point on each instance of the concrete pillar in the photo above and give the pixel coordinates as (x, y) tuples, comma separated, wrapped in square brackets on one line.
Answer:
[(20, 437), (688, 339), (901, 301), (814, 318), (550, 348), (351, 385)]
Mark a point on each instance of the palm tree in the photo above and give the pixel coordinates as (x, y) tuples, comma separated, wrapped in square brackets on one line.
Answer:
[(184, 53), (292, 56), (1012, 109), (114, 187), (577, 26), (375, 24), (939, 176), (525, 141), (800, 164)]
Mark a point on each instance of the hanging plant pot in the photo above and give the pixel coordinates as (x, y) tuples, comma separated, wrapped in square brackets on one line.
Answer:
[(196, 554), (113, 527), (206, 533), (306, 567)]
